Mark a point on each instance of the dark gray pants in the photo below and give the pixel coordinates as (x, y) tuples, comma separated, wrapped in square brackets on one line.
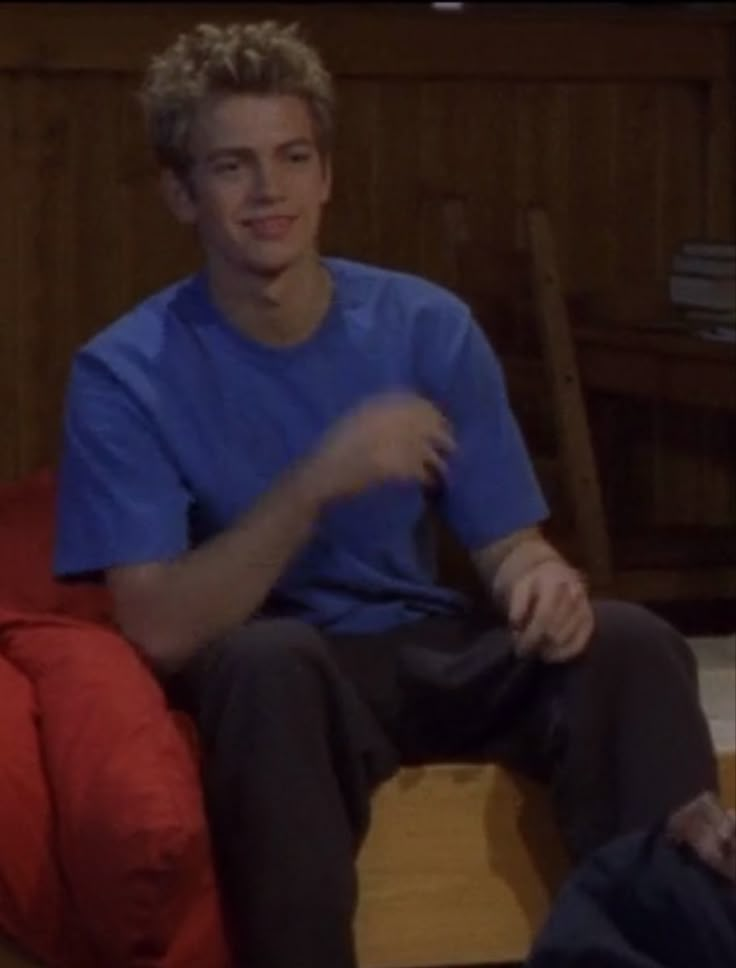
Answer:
[(298, 729)]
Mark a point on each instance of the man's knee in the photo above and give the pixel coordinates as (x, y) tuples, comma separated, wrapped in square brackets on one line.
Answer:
[(630, 634)]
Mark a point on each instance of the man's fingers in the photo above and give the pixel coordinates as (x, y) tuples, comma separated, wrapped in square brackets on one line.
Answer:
[(520, 606), (575, 639), (567, 622), (565, 611), (433, 467), (550, 601), (444, 441), (707, 829), (576, 620)]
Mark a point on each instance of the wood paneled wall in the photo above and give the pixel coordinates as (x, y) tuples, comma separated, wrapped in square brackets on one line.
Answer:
[(619, 120)]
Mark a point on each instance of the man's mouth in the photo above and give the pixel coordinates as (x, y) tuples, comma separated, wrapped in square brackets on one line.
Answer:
[(272, 227)]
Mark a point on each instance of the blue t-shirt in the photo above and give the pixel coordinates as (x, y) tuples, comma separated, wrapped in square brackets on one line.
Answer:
[(175, 423)]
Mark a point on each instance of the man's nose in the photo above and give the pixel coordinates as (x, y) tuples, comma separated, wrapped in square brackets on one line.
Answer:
[(267, 183)]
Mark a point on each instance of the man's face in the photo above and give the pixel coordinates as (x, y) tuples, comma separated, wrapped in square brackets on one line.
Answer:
[(257, 183)]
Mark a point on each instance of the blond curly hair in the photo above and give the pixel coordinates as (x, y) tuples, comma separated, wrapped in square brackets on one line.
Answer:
[(256, 58)]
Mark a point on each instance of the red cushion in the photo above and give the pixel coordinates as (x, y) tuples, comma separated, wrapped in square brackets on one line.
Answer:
[(27, 522), (34, 908), (130, 824)]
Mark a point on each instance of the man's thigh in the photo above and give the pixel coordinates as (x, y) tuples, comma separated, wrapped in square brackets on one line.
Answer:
[(441, 689), (452, 689)]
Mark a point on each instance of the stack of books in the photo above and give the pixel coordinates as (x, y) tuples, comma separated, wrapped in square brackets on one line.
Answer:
[(702, 287)]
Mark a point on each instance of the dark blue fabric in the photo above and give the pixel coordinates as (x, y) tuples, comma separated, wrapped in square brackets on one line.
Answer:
[(641, 902), (176, 422)]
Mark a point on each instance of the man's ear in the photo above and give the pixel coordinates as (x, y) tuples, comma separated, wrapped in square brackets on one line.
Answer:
[(178, 195), (326, 163)]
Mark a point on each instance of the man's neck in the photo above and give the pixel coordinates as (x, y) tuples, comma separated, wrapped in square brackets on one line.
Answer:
[(280, 310)]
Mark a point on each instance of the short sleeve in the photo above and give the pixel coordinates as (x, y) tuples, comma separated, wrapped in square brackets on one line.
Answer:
[(491, 488), (120, 498)]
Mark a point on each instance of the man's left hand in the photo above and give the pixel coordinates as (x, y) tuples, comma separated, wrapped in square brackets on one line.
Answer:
[(549, 611)]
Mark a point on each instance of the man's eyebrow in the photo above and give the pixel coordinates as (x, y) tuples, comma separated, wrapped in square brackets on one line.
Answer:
[(242, 151)]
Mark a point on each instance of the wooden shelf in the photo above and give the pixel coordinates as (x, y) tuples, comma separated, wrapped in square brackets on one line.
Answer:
[(666, 366)]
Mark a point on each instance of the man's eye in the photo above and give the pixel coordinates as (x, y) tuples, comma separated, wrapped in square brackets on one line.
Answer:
[(227, 166), (299, 156)]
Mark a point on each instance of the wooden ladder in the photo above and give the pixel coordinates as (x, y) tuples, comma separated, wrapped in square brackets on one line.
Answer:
[(578, 462), (576, 459)]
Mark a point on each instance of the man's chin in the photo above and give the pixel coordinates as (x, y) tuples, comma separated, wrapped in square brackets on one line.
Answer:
[(268, 269)]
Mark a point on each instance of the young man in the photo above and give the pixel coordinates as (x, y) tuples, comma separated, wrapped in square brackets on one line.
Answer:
[(249, 460)]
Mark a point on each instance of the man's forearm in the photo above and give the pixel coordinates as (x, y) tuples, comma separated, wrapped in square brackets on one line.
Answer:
[(215, 587)]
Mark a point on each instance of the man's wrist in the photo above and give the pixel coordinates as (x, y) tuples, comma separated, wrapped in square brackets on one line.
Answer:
[(519, 562)]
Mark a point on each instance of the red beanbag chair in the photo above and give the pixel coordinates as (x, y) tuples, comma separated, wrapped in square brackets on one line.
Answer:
[(34, 906), (104, 850), (129, 824)]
